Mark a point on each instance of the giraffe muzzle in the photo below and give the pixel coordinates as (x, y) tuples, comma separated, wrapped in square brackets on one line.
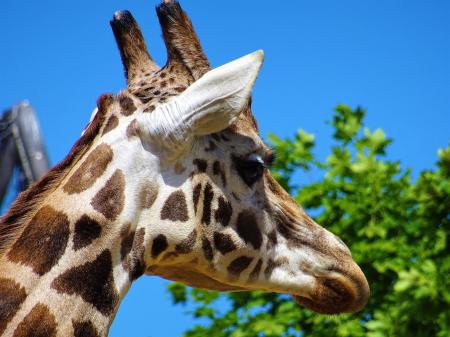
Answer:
[(345, 290)]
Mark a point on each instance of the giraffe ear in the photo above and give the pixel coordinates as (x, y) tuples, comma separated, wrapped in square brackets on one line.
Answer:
[(209, 105), (213, 102)]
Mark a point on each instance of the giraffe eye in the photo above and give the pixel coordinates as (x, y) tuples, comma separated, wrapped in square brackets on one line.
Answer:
[(250, 169)]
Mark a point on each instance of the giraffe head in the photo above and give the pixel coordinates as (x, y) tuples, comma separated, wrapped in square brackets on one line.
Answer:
[(223, 222), (214, 216), (169, 178)]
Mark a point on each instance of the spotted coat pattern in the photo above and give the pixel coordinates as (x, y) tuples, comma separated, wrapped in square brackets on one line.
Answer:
[(90, 227)]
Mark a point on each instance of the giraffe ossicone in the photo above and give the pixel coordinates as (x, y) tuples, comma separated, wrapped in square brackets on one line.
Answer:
[(169, 178)]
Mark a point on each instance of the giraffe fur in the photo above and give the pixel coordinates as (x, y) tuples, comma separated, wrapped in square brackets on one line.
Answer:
[(169, 178)]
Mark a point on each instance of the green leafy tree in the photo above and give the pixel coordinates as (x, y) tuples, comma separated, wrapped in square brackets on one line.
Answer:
[(397, 229)]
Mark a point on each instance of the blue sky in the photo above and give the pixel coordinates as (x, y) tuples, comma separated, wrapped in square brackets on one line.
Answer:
[(391, 57)]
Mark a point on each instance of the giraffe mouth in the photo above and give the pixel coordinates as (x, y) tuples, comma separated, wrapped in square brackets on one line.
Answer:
[(336, 295)]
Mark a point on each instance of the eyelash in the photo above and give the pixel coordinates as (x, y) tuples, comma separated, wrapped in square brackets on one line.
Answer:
[(269, 160)]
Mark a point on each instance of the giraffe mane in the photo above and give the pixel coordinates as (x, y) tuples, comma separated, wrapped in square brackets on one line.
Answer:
[(28, 202)]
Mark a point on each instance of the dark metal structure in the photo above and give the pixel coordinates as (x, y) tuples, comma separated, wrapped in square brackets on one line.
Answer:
[(21, 147)]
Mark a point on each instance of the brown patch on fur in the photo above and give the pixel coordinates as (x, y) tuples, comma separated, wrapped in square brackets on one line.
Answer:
[(43, 241), (148, 194), (127, 242), (40, 322), (133, 129), (84, 329), (175, 208), (223, 242), (110, 200), (12, 296), (134, 262), (125, 229), (196, 196), (207, 249), (127, 105), (269, 268), (255, 272), (211, 146), (238, 265), (86, 231), (217, 170), (180, 89), (272, 239), (90, 170), (216, 167), (305, 266), (201, 164), (248, 229), (187, 244), (93, 282), (282, 260), (159, 245), (149, 108), (223, 212), (104, 102), (216, 137), (271, 265), (208, 196), (25, 205), (111, 124)]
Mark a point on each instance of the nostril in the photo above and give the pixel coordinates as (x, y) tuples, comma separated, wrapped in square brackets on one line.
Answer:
[(350, 283)]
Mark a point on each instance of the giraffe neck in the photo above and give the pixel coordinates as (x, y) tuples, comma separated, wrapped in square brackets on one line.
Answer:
[(67, 273), (76, 256), (78, 299)]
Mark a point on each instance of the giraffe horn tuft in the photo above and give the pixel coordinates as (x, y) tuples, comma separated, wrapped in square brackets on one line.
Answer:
[(131, 44), (183, 45)]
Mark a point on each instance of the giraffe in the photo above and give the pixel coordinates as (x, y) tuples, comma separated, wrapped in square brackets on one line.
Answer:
[(169, 178)]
